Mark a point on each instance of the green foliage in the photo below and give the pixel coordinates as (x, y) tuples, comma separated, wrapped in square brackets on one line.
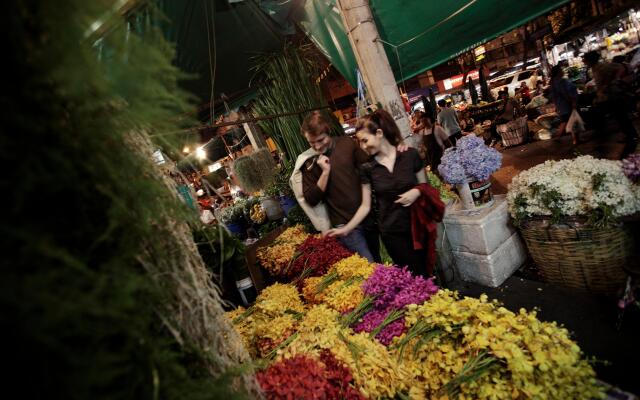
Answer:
[(219, 248), (445, 193), (520, 203), (216, 178), (79, 310), (233, 213), (280, 185), (297, 216), (288, 88), (268, 227)]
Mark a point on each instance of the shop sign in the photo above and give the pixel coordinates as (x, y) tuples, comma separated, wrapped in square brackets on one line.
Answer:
[(479, 52), (456, 81)]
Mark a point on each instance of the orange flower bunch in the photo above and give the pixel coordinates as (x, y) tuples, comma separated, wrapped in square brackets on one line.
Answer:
[(276, 257)]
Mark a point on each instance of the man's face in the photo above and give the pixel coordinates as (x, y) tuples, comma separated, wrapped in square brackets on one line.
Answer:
[(320, 143)]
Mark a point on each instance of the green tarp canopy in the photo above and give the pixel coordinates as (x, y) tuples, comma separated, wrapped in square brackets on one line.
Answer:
[(425, 33), (241, 30)]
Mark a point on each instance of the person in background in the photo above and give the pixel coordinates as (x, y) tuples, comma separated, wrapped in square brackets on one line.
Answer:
[(517, 96), (534, 79), (448, 119), (565, 96), (435, 140), (408, 207), (467, 124), (506, 114), (539, 88), (333, 177), (613, 98), (525, 93)]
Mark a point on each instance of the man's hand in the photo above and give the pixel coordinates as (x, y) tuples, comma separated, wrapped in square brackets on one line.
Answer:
[(337, 232), (323, 162), (402, 147), (408, 198)]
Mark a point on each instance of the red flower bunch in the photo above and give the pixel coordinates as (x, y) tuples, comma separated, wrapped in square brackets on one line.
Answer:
[(301, 377), (316, 256)]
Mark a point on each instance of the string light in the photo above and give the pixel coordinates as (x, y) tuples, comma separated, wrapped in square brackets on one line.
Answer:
[(200, 153)]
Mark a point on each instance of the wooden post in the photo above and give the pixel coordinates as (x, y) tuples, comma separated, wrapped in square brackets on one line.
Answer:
[(372, 59), (255, 137)]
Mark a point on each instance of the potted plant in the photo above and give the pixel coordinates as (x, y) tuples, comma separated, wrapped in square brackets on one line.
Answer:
[(280, 188), (233, 218), (569, 213), (224, 256), (469, 166)]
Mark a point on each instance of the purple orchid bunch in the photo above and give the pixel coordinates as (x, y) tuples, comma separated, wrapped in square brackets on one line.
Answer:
[(631, 167), (392, 288), (471, 159)]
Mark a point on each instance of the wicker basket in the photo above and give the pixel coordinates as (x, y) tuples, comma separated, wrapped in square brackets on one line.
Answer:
[(579, 257), (514, 132)]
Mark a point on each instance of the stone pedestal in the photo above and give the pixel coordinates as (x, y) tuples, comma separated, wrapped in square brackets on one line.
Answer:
[(491, 269), (478, 231), (480, 245)]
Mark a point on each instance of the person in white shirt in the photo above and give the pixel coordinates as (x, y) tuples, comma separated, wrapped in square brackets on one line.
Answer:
[(448, 119)]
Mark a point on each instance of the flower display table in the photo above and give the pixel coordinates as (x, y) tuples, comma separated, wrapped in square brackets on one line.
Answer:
[(340, 327), (485, 247)]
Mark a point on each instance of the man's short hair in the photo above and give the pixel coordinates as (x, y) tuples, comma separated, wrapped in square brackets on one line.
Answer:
[(315, 124), (442, 102)]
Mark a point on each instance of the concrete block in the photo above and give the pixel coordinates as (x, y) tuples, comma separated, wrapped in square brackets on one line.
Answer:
[(479, 231), (493, 269)]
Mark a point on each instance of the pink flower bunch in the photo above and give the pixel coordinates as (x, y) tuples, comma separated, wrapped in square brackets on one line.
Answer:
[(374, 318), (393, 288)]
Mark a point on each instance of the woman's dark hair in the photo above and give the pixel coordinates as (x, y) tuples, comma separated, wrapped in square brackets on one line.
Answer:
[(315, 124), (382, 120), (426, 120)]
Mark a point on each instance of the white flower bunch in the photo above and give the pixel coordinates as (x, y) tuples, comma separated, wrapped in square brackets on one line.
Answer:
[(577, 187)]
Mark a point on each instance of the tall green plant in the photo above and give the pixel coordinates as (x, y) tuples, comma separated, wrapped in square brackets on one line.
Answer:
[(98, 260), (288, 88)]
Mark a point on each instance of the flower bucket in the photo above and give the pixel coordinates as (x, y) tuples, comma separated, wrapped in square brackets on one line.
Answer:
[(475, 194), (237, 228), (272, 207), (287, 204)]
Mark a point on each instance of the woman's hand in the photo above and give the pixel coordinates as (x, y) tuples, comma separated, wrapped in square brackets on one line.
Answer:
[(402, 147), (408, 198), (337, 232)]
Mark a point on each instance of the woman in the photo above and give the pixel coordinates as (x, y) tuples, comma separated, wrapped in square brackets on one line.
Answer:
[(435, 141), (398, 180)]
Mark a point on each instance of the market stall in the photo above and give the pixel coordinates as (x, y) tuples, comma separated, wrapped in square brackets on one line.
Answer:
[(335, 326)]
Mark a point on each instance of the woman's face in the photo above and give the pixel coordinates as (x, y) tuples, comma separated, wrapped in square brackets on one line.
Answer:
[(370, 142)]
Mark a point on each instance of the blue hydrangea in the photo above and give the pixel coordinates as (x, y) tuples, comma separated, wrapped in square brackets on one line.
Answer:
[(471, 160)]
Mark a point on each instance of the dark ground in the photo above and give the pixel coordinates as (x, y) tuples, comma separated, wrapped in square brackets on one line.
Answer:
[(592, 320)]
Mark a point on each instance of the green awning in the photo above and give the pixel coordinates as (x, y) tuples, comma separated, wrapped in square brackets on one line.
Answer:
[(426, 33)]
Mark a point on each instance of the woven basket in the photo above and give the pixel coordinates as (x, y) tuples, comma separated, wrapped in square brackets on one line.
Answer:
[(579, 257), (514, 132)]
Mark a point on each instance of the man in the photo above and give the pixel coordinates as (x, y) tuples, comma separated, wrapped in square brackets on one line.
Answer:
[(333, 177), (565, 98), (448, 119), (611, 98)]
